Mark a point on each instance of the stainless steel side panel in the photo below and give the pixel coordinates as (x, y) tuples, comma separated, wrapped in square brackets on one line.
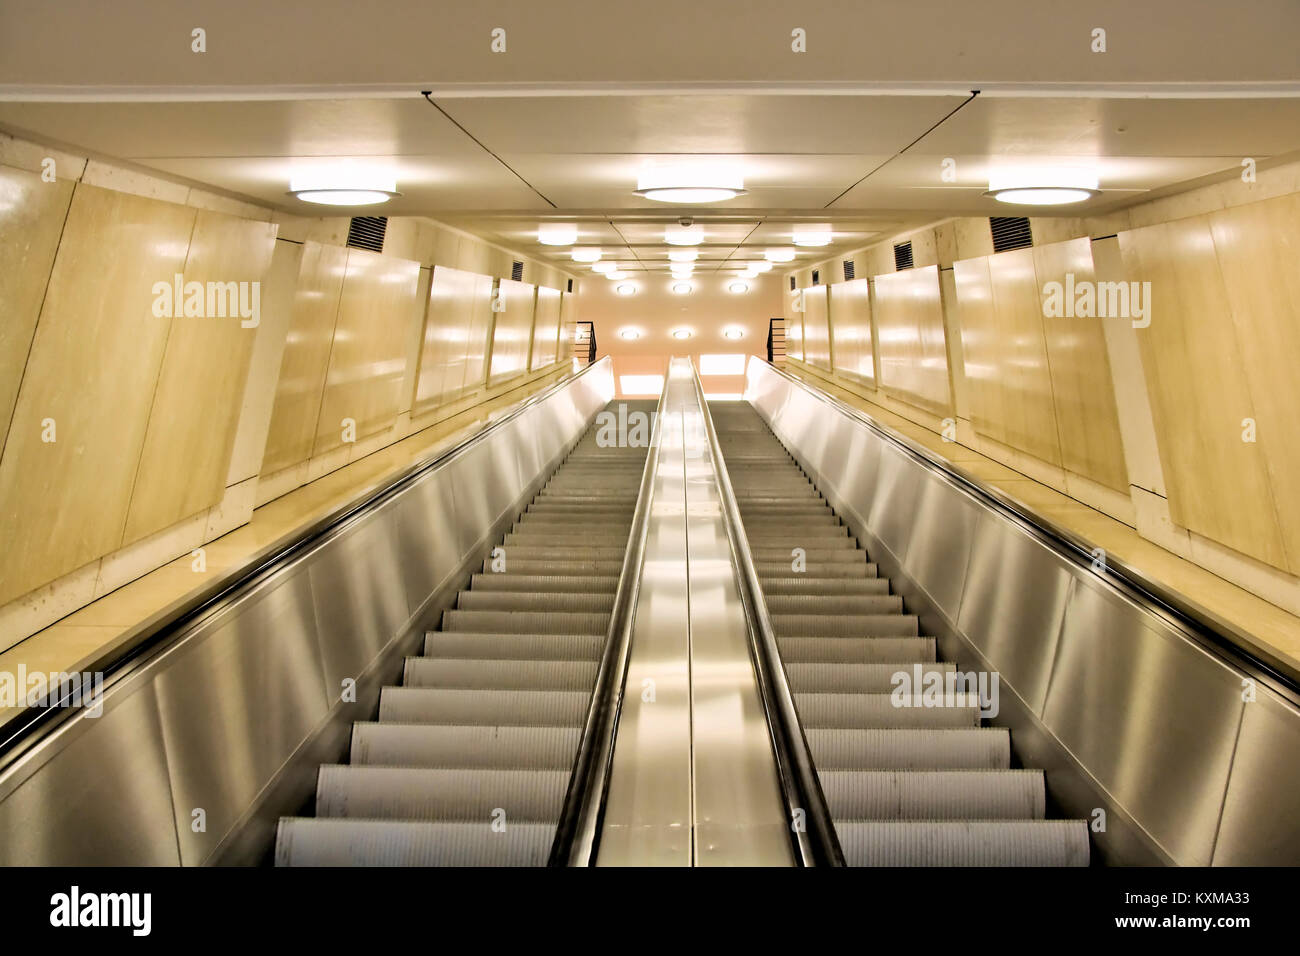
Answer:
[(195, 746), (1130, 712)]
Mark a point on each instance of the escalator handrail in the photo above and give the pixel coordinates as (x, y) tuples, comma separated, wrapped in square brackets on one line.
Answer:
[(153, 636), (816, 843), (577, 835), (1217, 635)]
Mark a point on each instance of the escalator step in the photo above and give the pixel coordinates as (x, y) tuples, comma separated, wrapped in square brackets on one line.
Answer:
[(851, 625), (859, 650), (520, 647), (589, 584), (469, 674), (865, 711), (965, 843), (833, 604), (846, 678), (497, 708), (531, 601), (333, 842), (957, 749), (934, 794), (514, 622), (424, 793), (799, 584), (464, 746)]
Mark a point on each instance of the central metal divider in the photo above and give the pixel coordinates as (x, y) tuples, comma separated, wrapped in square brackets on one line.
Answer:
[(694, 781)]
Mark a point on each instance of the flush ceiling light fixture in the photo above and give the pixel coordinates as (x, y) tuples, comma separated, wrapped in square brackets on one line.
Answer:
[(344, 185), (557, 233), (605, 267), (585, 254), (734, 332), (682, 334), (627, 288), (684, 235), (736, 288), (682, 270), (629, 334), (779, 254), (763, 266), (683, 255), (681, 288), (1043, 186), (813, 235), (616, 274), (691, 183)]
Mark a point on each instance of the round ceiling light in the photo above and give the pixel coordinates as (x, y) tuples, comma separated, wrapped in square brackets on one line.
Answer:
[(629, 334), (626, 288), (616, 274), (682, 270), (733, 333), (779, 254), (683, 255), (345, 184), (1042, 186), (344, 197), (585, 254), (557, 233), (681, 333), (813, 235), (763, 266), (605, 267), (690, 183), (736, 288), (681, 288), (679, 235)]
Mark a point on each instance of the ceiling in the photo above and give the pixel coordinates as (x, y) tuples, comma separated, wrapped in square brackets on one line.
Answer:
[(498, 166), (854, 133)]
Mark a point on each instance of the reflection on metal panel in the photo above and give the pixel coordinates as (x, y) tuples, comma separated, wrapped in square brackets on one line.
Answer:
[(1130, 711)]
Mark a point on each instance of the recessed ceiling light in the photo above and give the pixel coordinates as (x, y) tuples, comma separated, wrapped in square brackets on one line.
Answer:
[(1042, 185), (585, 254), (737, 287), (812, 235), (681, 288), (606, 267), (629, 334), (779, 254), (683, 255), (626, 288), (679, 235), (690, 183), (343, 185), (557, 233), (682, 333), (733, 333)]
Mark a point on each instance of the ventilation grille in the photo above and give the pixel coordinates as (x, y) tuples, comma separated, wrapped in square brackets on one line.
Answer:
[(1010, 232), (903, 255), (569, 287), (517, 271), (848, 270), (367, 232), (817, 277), (792, 284)]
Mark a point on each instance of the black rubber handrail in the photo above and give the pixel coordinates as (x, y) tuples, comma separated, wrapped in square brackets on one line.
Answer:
[(150, 638), (1221, 637), (815, 843), (577, 836)]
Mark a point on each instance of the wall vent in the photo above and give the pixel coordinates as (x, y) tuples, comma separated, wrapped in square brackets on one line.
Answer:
[(792, 284), (367, 232), (569, 287), (1010, 232), (903, 255), (517, 271), (817, 277), (848, 270)]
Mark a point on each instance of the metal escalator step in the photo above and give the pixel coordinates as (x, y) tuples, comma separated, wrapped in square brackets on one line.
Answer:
[(814, 558), (568, 552), (820, 604), (465, 746), (558, 564), (846, 678), (495, 600), (981, 748), (835, 569), (588, 584), (865, 711), (498, 674), (426, 793), (497, 708), (934, 794), (798, 584), (532, 622), (521, 647), (332, 842), (852, 625), (808, 527), (855, 650), (594, 537), (965, 843)]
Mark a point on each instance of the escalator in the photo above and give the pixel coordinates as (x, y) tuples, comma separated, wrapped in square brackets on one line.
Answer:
[(904, 785), (469, 760)]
